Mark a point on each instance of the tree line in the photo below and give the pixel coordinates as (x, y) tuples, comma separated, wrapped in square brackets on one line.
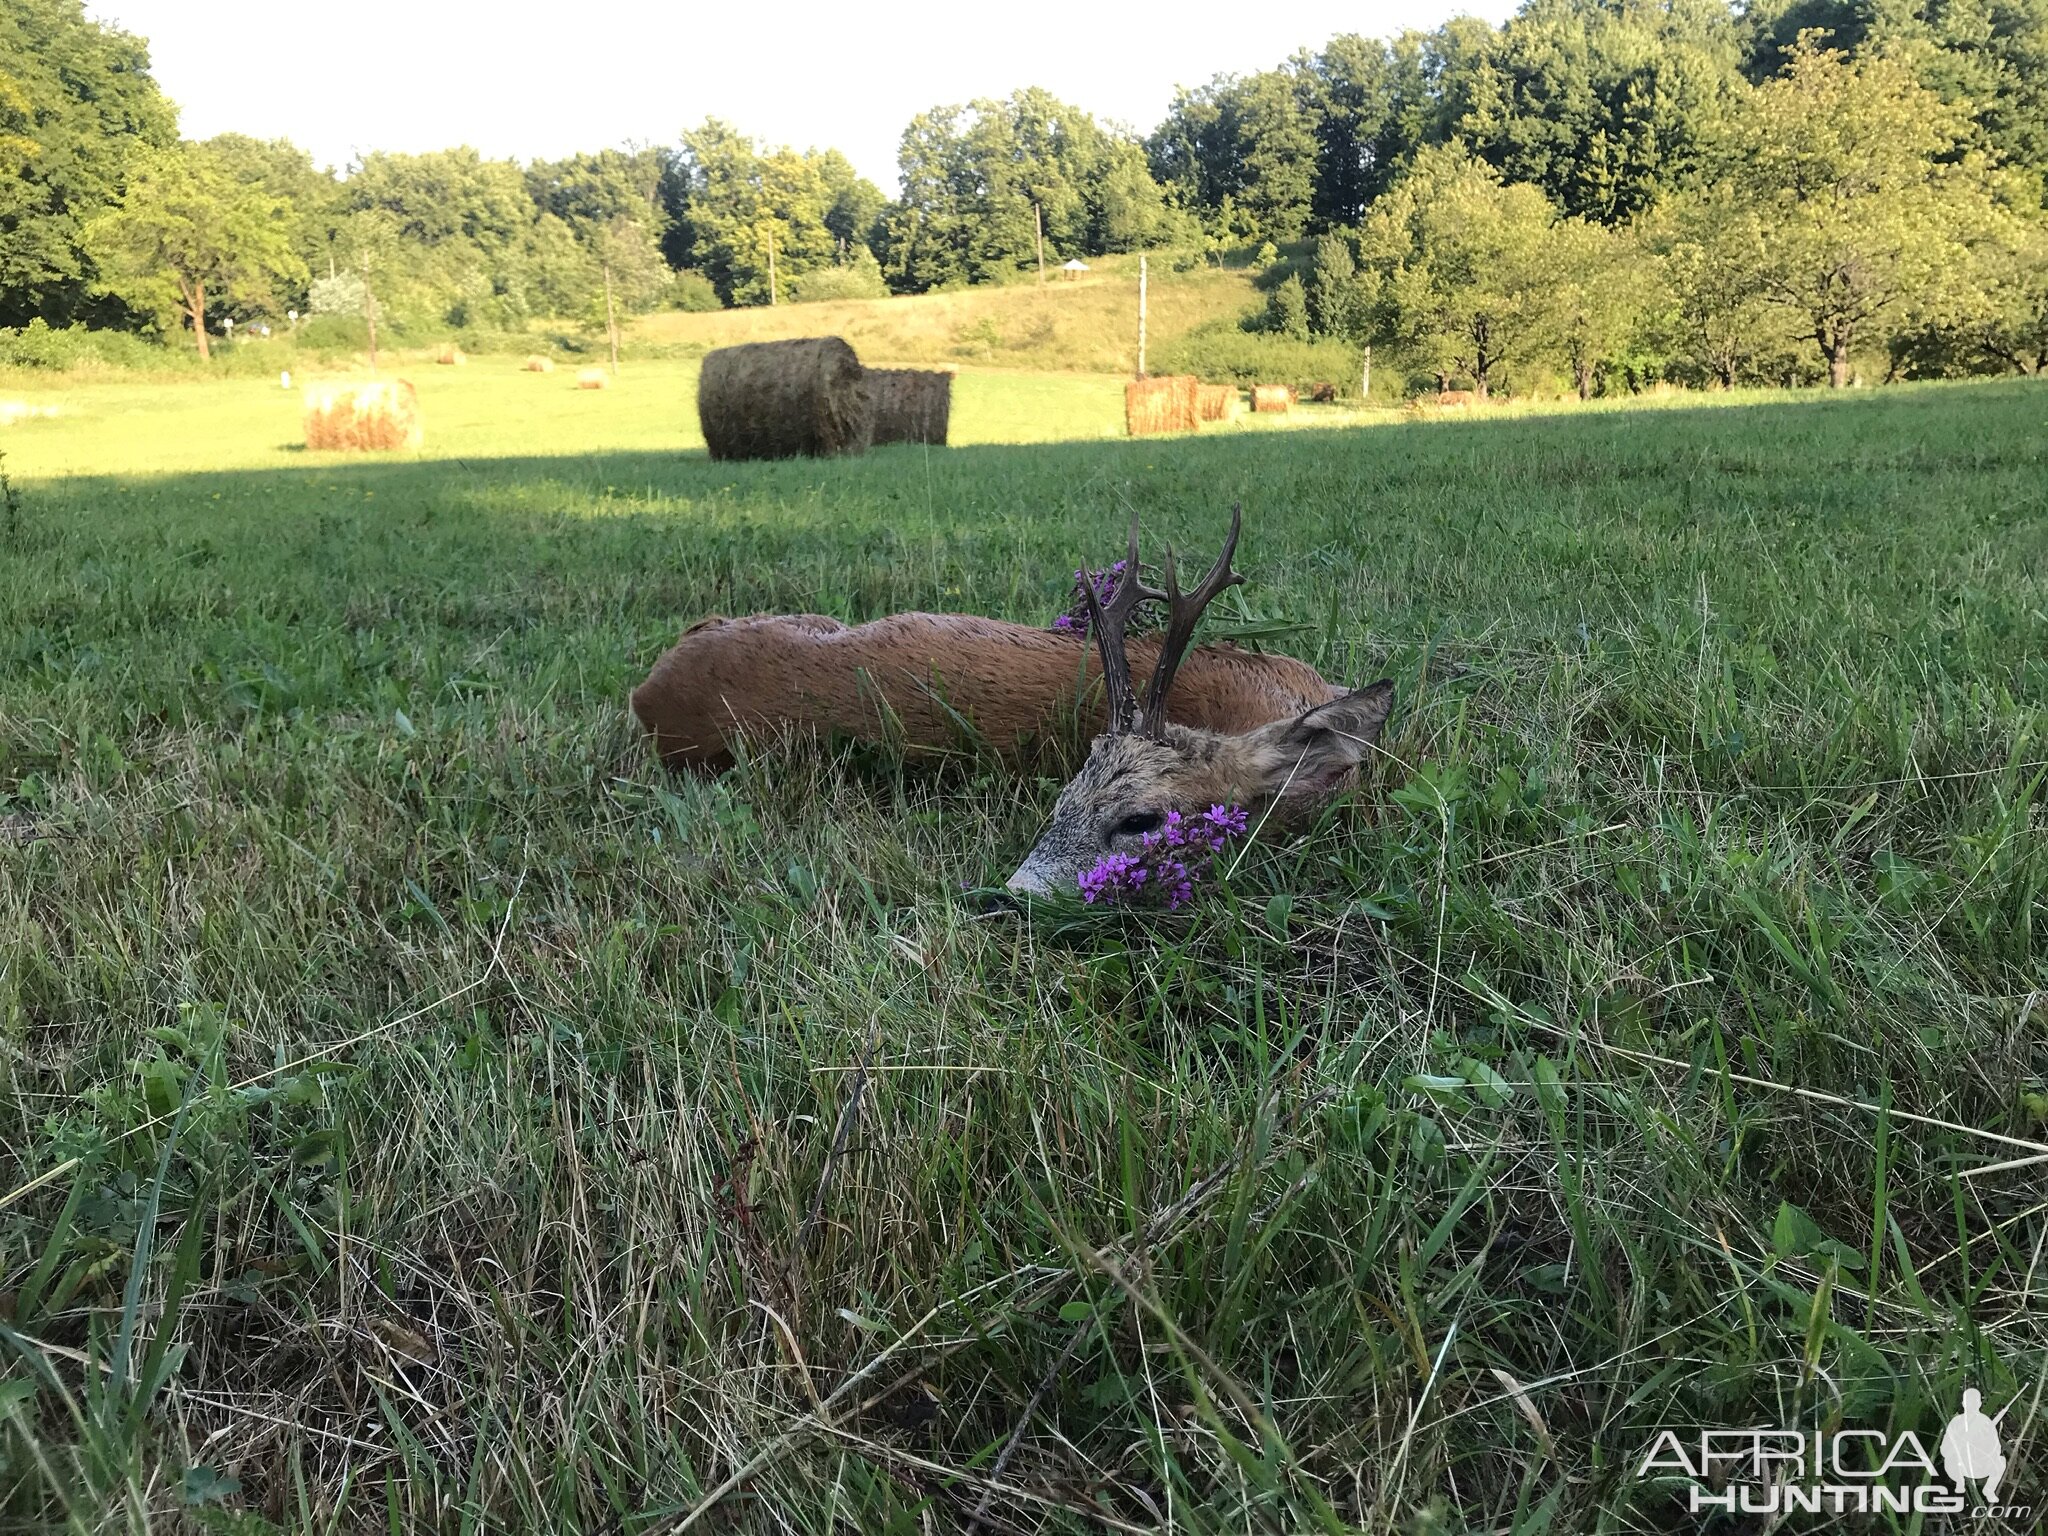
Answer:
[(1613, 190)]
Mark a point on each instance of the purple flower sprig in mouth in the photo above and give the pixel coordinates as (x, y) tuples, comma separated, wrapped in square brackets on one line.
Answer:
[(1169, 862)]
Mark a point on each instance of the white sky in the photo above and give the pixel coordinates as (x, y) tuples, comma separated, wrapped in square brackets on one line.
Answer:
[(528, 81)]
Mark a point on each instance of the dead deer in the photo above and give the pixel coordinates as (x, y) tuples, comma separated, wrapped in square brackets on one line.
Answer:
[(1148, 763), (932, 682)]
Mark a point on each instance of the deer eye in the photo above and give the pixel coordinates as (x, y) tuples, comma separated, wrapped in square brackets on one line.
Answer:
[(1138, 824)]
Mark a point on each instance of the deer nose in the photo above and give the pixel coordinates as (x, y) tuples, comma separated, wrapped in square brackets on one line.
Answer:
[(1029, 881)]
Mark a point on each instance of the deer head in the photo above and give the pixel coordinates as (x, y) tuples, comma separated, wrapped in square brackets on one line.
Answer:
[(1144, 766)]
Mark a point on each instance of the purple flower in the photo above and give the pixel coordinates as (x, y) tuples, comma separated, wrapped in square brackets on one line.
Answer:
[(1104, 584), (1169, 863)]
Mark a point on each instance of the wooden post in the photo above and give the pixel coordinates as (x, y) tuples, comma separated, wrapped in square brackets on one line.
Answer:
[(1141, 317), (1038, 225), (611, 319), (1365, 376), (771, 265), (370, 313)]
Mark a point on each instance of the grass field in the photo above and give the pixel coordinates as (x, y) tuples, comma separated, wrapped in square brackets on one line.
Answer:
[(417, 1111)]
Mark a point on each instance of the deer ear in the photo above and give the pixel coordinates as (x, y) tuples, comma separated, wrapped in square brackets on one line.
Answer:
[(1317, 750)]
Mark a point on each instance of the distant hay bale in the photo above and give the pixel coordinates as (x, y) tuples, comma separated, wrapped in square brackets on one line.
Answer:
[(1272, 399), (379, 413), (1323, 394), (450, 355), (593, 378), (911, 405), (539, 364), (806, 398), (1219, 402), (1165, 404)]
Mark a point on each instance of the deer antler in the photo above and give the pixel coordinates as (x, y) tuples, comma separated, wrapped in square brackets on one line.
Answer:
[(1183, 613), (1107, 623)]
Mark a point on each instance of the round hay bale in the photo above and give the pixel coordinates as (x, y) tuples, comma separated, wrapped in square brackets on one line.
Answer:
[(372, 414), (784, 400), (450, 355), (1219, 402), (1272, 398), (1168, 403), (593, 378), (539, 364), (911, 405)]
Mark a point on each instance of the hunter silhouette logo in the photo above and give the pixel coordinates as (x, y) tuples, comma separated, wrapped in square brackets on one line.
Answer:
[(1860, 1471), (1970, 1450)]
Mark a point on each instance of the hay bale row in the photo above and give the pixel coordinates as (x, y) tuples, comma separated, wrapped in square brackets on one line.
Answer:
[(910, 405), (807, 398), (1272, 399), (1166, 404), (378, 414), (539, 364), (1219, 402)]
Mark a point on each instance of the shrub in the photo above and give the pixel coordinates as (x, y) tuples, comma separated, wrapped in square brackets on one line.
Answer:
[(1223, 349), (858, 279), (38, 345), (1287, 310), (692, 293)]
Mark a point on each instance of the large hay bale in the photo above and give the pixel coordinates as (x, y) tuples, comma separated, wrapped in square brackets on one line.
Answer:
[(378, 413), (539, 364), (1166, 404), (1272, 398), (1219, 402), (784, 399), (911, 405), (593, 378), (450, 354)]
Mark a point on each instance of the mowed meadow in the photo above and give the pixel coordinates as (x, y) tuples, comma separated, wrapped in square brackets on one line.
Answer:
[(419, 1111)]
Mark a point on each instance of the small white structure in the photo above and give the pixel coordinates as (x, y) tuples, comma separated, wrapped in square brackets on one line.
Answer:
[(1073, 268), (284, 379)]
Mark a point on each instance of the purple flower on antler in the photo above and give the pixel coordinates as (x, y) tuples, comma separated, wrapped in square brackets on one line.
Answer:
[(1104, 582), (1169, 862)]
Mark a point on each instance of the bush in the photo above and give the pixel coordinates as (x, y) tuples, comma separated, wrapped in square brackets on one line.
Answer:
[(1287, 310), (38, 345), (858, 279), (1223, 350), (692, 293), (333, 333)]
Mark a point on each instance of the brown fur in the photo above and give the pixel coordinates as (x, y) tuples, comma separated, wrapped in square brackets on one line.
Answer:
[(913, 677), (1457, 397)]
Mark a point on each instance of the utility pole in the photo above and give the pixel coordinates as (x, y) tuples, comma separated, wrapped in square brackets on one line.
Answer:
[(611, 319), (370, 312), (771, 265), (1141, 316), (1365, 377), (1038, 224)]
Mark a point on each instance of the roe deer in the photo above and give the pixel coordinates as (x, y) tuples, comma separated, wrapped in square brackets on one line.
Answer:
[(1148, 763), (930, 681)]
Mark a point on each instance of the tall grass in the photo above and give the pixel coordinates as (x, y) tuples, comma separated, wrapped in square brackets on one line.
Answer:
[(418, 1111)]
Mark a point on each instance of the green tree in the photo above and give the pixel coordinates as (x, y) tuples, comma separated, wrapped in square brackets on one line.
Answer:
[(1839, 185), (1340, 301), (1461, 268), (759, 219), (1605, 108), (1603, 286), (188, 240), (76, 106)]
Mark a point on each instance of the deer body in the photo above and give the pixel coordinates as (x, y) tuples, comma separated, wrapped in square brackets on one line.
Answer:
[(921, 678)]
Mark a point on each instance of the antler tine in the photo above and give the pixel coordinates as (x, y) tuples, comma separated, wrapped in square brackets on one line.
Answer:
[(1183, 613), (1108, 623)]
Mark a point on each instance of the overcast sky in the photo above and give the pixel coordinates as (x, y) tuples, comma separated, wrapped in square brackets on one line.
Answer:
[(529, 81)]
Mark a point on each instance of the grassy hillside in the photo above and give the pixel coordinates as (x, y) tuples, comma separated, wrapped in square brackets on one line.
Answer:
[(420, 1112), (1088, 325)]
